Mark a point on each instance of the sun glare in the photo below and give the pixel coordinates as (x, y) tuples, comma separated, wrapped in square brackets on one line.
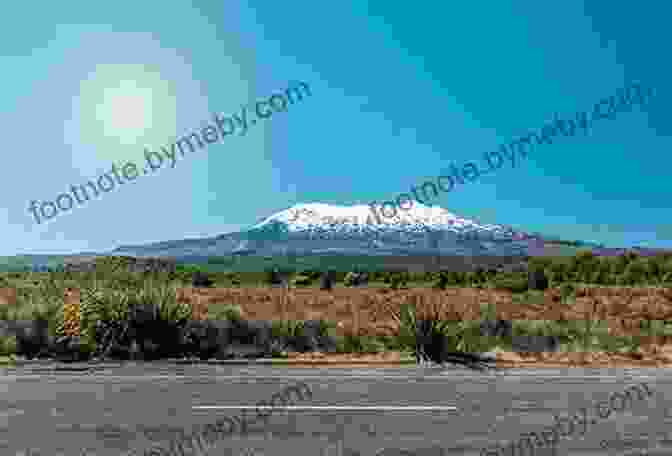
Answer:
[(124, 108), (125, 111)]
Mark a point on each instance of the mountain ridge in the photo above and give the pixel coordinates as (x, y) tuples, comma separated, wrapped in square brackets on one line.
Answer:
[(320, 229)]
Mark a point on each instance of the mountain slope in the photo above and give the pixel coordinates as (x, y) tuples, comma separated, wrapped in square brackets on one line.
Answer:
[(347, 233), (321, 229)]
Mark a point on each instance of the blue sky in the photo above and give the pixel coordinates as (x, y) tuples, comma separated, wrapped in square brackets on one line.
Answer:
[(399, 91)]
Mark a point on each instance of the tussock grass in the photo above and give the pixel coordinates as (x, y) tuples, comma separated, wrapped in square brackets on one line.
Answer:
[(108, 295)]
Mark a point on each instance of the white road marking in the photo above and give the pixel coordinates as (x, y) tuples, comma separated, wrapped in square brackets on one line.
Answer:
[(332, 407)]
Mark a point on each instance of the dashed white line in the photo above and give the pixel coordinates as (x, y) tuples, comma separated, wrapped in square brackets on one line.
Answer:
[(382, 408)]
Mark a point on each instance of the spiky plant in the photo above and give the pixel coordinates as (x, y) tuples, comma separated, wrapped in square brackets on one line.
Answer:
[(8, 346), (164, 296), (354, 343), (405, 319), (99, 304), (38, 304), (116, 305), (225, 312), (287, 328), (434, 344), (61, 328), (448, 341)]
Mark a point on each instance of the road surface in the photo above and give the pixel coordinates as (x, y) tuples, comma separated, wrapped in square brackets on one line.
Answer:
[(103, 412)]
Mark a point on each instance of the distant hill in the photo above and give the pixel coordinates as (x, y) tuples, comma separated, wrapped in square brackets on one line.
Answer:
[(311, 233)]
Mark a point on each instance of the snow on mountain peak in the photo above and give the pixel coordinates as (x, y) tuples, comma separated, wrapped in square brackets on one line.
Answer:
[(309, 215)]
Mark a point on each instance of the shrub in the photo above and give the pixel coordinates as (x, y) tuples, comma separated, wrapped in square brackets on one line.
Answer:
[(302, 280), (353, 343), (537, 279), (398, 280), (355, 279), (567, 290), (327, 280), (8, 345), (512, 283), (273, 277), (442, 282), (227, 312), (636, 272), (201, 280), (405, 317)]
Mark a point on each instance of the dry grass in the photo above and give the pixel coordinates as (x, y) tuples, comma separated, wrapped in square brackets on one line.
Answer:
[(622, 319)]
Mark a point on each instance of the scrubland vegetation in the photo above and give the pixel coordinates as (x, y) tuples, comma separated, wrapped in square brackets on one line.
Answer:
[(110, 312)]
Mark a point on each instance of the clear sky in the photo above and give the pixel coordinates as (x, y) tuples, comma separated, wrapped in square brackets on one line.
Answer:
[(399, 91)]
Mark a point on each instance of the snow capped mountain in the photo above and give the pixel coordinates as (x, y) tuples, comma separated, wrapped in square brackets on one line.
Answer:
[(419, 218), (326, 229), (419, 237)]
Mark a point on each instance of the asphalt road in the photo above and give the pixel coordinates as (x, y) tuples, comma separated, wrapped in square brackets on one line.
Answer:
[(103, 412)]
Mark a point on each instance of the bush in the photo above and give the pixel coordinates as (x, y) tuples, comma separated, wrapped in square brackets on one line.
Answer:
[(537, 280), (635, 272), (514, 284), (398, 279), (350, 343), (567, 290), (327, 280), (355, 279), (313, 274), (201, 280), (273, 277), (442, 282), (226, 312), (8, 345), (302, 280)]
